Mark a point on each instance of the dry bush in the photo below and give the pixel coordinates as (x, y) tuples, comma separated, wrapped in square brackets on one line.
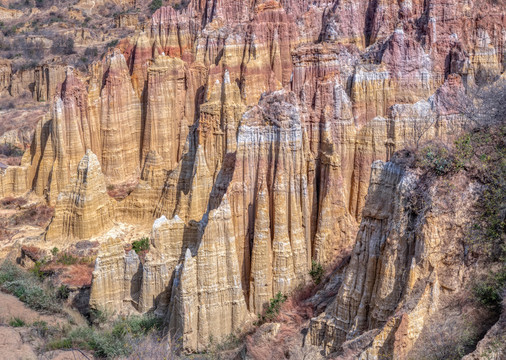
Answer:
[(293, 315), (121, 191), (35, 215), (10, 220), (10, 161), (78, 275), (11, 202), (153, 347), (10, 155), (32, 252), (453, 331), (85, 249), (4, 232), (71, 270)]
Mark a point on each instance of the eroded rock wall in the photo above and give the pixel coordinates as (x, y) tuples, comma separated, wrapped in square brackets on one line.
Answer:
[(280, 107), (408, 255)]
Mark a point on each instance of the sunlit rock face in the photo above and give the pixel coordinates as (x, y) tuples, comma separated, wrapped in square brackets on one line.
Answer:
[(248, 130), (207, 301), (84, 208)]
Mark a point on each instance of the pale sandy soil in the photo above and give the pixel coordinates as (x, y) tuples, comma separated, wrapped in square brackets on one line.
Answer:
[(11, 307), (22, 343)]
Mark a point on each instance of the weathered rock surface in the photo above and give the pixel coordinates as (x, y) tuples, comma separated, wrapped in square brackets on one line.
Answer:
[(493, 345), (115, 278), (207, 300), (84, 208), (406, 259)]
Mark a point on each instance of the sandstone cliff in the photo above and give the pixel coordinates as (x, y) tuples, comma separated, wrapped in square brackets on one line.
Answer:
[(408, 260), (84, 208)]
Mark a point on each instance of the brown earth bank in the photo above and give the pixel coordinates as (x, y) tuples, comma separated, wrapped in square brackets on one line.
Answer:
[(256, 179)]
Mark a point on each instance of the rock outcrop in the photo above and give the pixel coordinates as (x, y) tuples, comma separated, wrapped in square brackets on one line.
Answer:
[(207, 300), (115, 278), (406, 259), (84, 209)]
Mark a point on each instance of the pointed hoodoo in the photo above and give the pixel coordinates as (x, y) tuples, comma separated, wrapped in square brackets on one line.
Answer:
[(83, 209)]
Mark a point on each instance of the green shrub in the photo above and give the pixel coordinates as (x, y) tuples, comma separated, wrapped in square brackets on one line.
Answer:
[(489, 291), (91, 52), (180, 5), (141, 245), (62, 45), (9, 272), (17, 322), (111, 44), (111, 343), (436, 158), (67, 259), (41, 328), (63, 292), (482, 153), (155, 5), (316, 272), (34, 295), (272, 310), (136, 325), (98, 316), (64, 343), (54, 251), (37, 269)]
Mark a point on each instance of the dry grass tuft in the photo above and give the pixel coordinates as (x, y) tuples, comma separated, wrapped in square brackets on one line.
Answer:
[(34, 215), (10, 160), (11, 202), (283, 337), (454, 330), (153, 347), (70, 270), (78, 275), (292, 319)]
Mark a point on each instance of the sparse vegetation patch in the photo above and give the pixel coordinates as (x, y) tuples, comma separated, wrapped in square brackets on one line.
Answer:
[(141, 245), (117, 340), (316, 272), (28, 288), (272, 309)]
